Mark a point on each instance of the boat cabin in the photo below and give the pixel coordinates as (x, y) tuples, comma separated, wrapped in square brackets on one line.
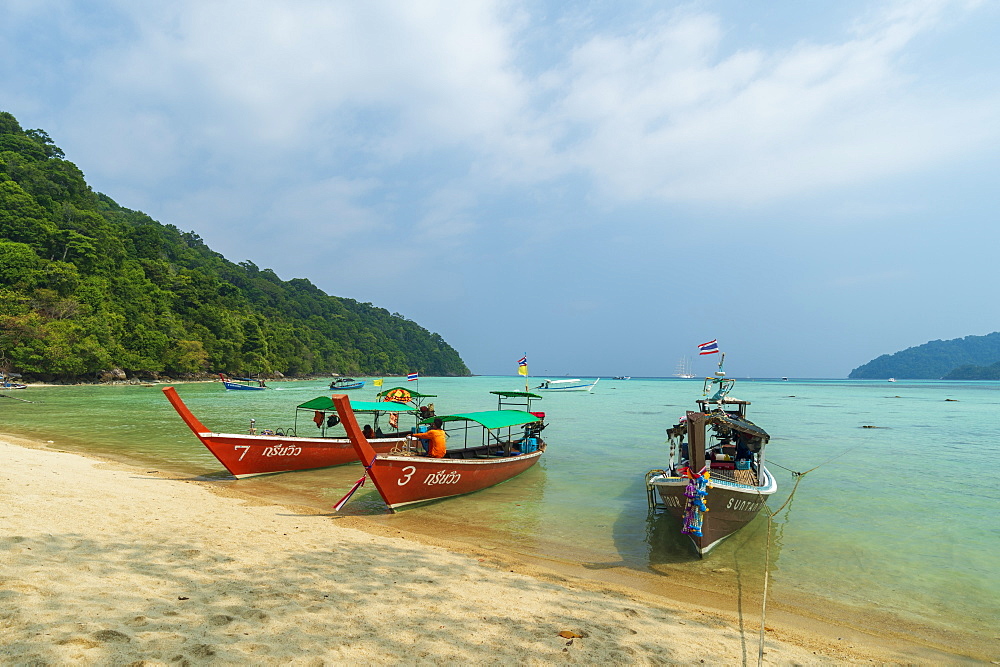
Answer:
[(516, 400), (723, 440), (381, 414), (490, 434)]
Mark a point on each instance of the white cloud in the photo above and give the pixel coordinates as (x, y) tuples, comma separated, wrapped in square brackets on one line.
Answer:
[(663, 114)]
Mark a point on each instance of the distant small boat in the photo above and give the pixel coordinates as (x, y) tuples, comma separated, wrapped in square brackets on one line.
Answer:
[(684, 369), (892, 379), (622, 377), (567, 385), (6, 383), (347, 383), (784, 379), (242, 383)]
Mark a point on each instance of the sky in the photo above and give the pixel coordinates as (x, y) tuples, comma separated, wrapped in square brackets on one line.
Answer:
[(600, 186)]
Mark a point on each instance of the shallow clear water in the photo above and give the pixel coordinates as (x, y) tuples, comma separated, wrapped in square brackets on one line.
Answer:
[(899, 521)]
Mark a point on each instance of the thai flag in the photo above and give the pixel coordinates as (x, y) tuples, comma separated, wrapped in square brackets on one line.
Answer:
[(523, 361), (711, 347), (412, 376)]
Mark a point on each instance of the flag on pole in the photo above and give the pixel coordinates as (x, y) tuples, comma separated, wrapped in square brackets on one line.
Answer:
[(412, 376), (522, 365), (711, 347), (377, 383)]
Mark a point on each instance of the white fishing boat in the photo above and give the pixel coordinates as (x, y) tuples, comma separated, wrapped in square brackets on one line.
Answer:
[(574, 384)]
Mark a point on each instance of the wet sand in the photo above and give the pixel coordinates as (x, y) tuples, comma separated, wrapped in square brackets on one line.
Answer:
[(106, 563)]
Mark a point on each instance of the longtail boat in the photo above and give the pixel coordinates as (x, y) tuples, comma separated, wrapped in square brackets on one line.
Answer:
[(262, 451), (715, 482), (568, 385), (242, 384), (344, 383), (495, 446)]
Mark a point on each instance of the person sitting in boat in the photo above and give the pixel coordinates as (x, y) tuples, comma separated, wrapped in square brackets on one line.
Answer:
[(368, 432), (436, 440)]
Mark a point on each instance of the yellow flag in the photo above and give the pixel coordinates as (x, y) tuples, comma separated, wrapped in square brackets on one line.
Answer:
[(377, 383), (522, 369)]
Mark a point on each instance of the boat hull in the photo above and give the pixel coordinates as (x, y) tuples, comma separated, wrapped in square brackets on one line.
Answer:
[(574, 387), (731, 506), (240, 387), (246, 455), (338, 387), (405, 480), (250, 455)]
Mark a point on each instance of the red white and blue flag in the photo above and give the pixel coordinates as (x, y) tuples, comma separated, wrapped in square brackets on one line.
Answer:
[(711, 347), (412, 376), (523, 361)]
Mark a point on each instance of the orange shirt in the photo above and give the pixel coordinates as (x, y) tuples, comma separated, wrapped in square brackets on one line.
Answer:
[(437, 439)]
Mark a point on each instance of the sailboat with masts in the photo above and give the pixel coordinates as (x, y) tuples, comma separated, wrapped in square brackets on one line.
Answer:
[(684, 369)]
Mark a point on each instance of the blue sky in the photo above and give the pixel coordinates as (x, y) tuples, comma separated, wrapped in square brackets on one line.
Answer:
[(599, 185)]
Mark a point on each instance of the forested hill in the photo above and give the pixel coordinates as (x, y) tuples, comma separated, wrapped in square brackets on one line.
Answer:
[(956, 359), (87, 286)]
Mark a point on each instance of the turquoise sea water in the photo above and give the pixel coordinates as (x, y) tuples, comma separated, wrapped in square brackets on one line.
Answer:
[(898, 526)]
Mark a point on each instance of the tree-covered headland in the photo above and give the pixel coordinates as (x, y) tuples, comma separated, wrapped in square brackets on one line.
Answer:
[(87, 286), (969, 358)]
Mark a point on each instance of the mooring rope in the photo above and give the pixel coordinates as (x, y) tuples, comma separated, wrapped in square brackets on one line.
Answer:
[(23, 400), (767, 550)]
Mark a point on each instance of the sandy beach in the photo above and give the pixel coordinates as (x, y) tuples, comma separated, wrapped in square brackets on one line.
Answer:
[(104, 563)]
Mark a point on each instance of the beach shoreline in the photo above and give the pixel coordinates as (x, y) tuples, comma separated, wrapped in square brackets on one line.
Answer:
[(107, 562)]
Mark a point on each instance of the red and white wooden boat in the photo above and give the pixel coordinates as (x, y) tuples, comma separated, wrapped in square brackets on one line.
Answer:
[(263, 451), (496, 445)]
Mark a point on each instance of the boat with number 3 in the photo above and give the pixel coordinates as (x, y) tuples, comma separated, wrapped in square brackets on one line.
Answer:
[(496, 445)]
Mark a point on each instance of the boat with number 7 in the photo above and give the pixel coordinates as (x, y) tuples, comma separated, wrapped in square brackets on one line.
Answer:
[(495, 446), (715, 482), (262, 451)]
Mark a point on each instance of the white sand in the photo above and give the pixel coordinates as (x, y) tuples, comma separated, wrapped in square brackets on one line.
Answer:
[(101, 563)]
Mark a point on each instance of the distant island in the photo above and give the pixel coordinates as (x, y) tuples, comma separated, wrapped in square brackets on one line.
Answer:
[(969, 358), (90, 290)]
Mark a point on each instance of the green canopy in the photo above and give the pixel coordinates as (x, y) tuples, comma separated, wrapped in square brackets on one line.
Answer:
[(489, 419), (325, 403), (515, 394)]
